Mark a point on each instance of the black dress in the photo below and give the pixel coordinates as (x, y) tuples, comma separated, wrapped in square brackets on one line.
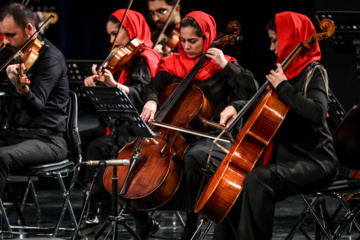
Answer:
[(303, 157), (232, 83)]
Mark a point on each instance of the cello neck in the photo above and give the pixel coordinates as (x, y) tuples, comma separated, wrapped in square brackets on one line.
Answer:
[(175, 96)]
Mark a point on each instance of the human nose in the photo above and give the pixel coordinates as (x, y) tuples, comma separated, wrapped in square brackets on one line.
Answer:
[(155, 17), (186, 45), (6, 41)]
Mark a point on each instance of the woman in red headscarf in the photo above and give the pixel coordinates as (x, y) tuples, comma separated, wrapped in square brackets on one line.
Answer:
[(97, 143), (303, 155), (222, 81)]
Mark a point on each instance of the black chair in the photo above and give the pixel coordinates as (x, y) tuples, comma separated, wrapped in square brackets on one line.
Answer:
[(343, 218), (58, 170)]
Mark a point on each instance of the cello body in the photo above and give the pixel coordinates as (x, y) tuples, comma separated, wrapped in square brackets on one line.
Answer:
[(225, 186), (157, 177)]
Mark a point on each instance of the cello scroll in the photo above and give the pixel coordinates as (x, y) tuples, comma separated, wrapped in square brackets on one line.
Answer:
[(327, 26)]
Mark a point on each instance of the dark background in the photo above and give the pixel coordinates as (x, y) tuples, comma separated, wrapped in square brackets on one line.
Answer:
[(80, 33)]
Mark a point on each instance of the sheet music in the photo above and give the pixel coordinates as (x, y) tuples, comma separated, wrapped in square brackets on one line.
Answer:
[(114, 103)]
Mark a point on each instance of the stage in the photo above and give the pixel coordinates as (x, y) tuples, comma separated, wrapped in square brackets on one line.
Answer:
[(286, 215)]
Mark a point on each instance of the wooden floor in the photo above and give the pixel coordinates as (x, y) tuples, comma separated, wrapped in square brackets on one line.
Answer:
[(50, 200)]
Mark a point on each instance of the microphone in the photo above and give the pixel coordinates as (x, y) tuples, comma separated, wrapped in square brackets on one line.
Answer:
[(104, 163)]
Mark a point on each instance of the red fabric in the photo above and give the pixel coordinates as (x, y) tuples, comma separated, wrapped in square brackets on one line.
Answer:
[(179, 64), (293, 28), (136, 26)]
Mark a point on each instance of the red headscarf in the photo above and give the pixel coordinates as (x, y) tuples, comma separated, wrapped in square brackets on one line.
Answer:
[(179, 64), (293, 28), (136, 26)]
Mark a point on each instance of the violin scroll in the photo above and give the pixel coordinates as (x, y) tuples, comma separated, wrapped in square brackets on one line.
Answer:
[(234, 28)]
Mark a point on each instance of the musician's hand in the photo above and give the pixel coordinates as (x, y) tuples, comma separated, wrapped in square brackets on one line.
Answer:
[(159, 50), (93, 69), (275, 78), (13, 75), (227, 115), (218, 56), (149, 111), (90, 81), (109, 79)]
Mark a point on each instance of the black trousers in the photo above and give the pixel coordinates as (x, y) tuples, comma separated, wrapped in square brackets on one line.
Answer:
[(20, 150), (252, 216), (194, 161)]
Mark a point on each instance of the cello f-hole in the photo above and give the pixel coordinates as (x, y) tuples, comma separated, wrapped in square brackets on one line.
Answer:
[(163, 148)]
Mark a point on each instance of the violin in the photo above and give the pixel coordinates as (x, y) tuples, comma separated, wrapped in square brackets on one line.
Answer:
[(172, 40), (119, 57), (226, 184), (28, 53), (28, 58)]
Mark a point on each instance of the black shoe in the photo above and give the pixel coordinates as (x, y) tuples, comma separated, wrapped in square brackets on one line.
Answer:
[(155, 226), (92, 220), (145, 231)]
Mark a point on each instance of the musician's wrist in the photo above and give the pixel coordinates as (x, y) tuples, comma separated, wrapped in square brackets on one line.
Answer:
[(22, 89)]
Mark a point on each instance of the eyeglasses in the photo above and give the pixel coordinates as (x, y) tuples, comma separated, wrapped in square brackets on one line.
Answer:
[(158, 12)]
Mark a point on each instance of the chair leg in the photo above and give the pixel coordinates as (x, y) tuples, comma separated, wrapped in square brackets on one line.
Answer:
[(66, 206), (317, 218), (4, 218), (179, 217), (324, 216), (15, 204), (30, 187), (301, 219), (349, 218)]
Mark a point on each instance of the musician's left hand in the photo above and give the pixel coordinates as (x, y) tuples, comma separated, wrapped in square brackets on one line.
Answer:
[(275, 78), (159, 50), (227, 115), (218, 56), (13, 75)]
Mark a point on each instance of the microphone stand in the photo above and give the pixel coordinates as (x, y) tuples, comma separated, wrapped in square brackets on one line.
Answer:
[(116, 217), (115, 104)]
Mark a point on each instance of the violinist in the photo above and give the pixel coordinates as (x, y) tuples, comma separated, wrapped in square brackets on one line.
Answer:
[(160, 11), (35, 124), (220, 78), (302, 154), (97, 143)]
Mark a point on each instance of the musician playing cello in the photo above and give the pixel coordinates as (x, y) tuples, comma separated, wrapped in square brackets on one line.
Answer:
[(221, 79), (133, 77), (36, 118), (303, 155)]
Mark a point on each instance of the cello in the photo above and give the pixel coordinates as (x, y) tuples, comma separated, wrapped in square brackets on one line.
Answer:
[(225, 186), (155, 170)]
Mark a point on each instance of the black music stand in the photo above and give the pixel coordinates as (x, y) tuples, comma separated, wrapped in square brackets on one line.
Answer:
[(122, 117)]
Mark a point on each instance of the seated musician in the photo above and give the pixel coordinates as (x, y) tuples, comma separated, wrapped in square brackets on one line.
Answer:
[(303, 155), (33, 132), (97, 143), (159, 13), (221, 79)]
